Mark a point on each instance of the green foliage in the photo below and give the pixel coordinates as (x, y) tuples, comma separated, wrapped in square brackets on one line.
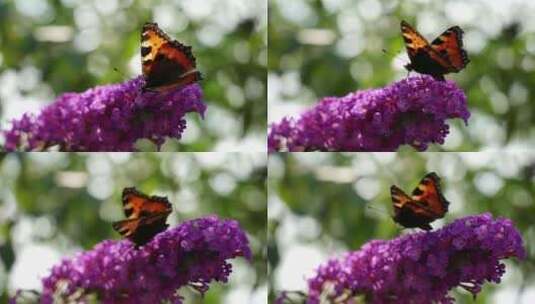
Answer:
[(78, 195), (348, 197), (234, 68), (337, 47)]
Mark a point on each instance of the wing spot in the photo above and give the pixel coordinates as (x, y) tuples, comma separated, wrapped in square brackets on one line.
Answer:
[(418, 191), (145, 50), (128, 212)]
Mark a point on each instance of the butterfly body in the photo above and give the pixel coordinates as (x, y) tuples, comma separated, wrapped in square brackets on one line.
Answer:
[(443, 55), (423, 64), (145, 216), (423, 206), (166, 63)]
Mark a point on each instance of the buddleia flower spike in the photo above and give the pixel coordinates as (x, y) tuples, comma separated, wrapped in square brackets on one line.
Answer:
[(412, 111), (420, 268)]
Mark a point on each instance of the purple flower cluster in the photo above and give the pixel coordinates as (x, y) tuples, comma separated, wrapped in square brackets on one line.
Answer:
[(106, 118), (193, 253), (421, 267), (411, 111)]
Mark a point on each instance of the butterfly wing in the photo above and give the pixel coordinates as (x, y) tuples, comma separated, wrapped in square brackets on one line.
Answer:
[(399, 199), (450, 46), (142, 230), (146, 216), (428, 193), (137, 204), (126, 227), (166, 63), (424, 59), (408, 212), (414, 42)]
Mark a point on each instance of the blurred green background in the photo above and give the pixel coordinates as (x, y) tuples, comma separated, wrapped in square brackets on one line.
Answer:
[(324, 204), (51, 47), (53, 205), (332, 47)]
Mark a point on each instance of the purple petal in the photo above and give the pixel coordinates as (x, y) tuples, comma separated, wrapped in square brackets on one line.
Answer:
[(412, 111), (183, 255), (106, 118), (384, 271)]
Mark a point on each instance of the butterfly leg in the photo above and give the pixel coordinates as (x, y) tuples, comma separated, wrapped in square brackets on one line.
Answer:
[(145, 90), (426, 227), (439, 77)]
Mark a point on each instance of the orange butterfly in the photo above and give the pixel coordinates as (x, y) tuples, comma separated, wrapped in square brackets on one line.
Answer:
[(444, 55), (166, 63), (425, 204), (145, 216)]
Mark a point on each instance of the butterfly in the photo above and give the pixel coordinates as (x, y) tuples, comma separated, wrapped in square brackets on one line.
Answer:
[(444, 55), (166, 63), (424, 205), (145, 216)]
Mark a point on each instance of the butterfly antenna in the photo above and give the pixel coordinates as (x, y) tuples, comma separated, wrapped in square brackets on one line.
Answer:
[(394, 56), (119, 72), (391, 55), (294, 297), (376, 209)]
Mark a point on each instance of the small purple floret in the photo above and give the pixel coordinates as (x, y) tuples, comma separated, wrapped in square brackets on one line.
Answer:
[(412, 111), (193, 253), (106, 118), (422, 267)]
